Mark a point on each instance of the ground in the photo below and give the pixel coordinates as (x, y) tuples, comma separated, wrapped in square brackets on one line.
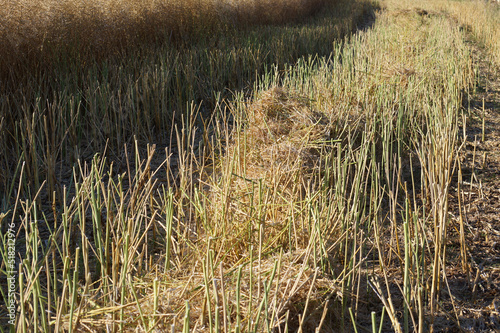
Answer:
[(476, 293)]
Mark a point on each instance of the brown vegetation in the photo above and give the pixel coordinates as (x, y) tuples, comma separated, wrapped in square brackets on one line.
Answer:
[(42, 32), (168, 168)]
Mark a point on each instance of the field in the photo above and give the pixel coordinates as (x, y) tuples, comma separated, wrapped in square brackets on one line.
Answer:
[(249, 166)]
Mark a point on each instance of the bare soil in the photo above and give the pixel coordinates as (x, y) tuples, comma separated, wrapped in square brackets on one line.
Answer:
[(475, 290)]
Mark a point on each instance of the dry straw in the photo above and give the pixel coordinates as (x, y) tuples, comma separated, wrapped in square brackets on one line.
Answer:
[(300, 205)]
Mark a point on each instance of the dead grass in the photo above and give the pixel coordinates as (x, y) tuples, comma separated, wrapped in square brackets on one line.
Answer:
[(278, 215), (283, 128), (483, 19), (41, 32)]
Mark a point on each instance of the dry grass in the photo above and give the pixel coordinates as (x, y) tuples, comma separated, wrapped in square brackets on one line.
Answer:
[(76, 102), (88, 100), (483, 19), (41, 32), (284, 132), (303, 205)]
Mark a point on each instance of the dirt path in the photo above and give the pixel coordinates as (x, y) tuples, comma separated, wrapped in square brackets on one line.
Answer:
[(476, 293)]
